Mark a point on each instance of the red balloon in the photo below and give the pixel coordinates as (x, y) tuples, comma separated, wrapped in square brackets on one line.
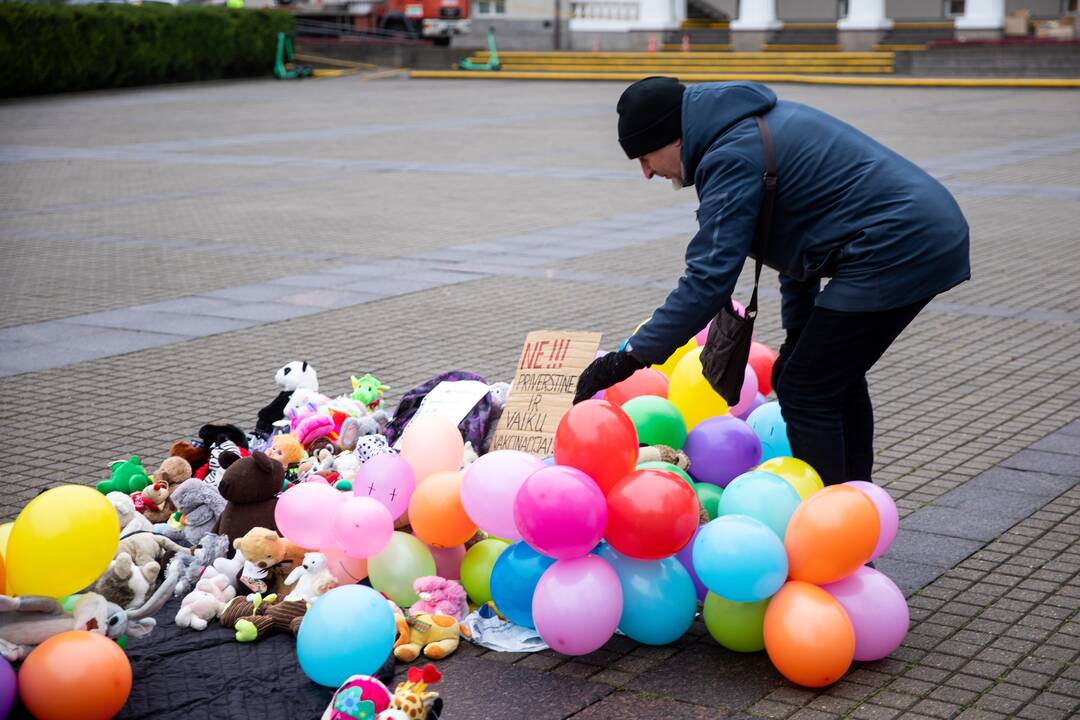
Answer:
[(599, 439), (652, 514), (762, 359), (645, 381)]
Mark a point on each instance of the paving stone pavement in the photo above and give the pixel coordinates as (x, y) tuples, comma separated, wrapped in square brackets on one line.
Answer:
[(163, 251)]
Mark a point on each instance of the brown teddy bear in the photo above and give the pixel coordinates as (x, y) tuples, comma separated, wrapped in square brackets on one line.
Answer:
[(156, 502), (268, 560), (250, 486)]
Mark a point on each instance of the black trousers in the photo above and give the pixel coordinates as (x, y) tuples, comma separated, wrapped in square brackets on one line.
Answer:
[(820, 380)]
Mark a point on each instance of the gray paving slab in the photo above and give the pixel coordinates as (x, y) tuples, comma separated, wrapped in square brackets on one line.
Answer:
[(1049, 462), (930, 548), (908, 575), (170, 323), (1010, 481), (1059, 442), (735, 681)]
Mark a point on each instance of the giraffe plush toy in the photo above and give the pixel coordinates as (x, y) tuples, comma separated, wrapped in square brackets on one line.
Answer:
[(363, 697)]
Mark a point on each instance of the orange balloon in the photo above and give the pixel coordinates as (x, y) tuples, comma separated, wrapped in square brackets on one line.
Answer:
[(76, 674), (808, 635), (437, 515), (646, 381), (831, 534)]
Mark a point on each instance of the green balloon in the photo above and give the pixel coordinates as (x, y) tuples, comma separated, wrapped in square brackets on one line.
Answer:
[(394, 570), (657, 420), (738, 626), (476, 568), (709, 497), (661, 465)]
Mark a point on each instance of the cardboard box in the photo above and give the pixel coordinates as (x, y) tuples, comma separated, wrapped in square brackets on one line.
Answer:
[(1018, 24), (1063, 29)]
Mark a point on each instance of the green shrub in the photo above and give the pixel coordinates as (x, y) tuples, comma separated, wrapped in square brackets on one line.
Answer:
[(60, 48)]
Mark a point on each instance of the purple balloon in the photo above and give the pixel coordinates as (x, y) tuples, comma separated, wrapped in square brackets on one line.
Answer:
[(490, 486), (722, 448), (561, 512), (686, 557), (577, 605), (878, 612), (9, 686), (389, 479), (887, 513), (758, 402)]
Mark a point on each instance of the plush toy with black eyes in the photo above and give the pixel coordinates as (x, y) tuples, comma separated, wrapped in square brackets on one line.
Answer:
[(293, 376)]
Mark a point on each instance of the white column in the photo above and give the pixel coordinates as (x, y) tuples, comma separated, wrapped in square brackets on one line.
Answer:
[(865, 15), (757, 15), (660, 14), (982, 15)]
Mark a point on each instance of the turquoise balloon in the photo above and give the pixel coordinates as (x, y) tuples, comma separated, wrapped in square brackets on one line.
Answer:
[(659, 598), (517, 571), (348, 631), (740, 558), (657, 421), (761, 495), (769, 424)]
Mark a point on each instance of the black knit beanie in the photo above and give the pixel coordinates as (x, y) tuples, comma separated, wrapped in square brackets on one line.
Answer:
[(650, 115)]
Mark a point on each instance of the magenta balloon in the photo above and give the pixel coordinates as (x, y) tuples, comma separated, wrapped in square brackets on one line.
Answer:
[(387, 478), (703, 335), (305, 513), (490, 486), (747, 394), (363, 527), (722, 448), (448, 561), (887, 513), (577, 605), (877, 609), (560, 512)]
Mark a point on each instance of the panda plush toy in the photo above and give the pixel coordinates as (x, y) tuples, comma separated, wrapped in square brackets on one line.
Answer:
[(294, 376)]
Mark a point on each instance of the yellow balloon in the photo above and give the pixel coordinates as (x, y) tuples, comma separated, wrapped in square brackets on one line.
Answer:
[(61, 542), (799, 474), (691, 392), (5, 533), (668, 366)]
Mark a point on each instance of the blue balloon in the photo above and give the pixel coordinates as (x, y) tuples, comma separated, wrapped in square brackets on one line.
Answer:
[(769, 424), (514, 579), (740, 558), (761, 495), (659, 598), (348, 631)]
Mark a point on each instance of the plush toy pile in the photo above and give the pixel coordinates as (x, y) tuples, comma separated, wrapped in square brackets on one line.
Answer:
[(368, 537)]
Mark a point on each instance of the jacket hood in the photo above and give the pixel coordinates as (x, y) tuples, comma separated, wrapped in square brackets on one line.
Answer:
[(252, 479), (711, 109)]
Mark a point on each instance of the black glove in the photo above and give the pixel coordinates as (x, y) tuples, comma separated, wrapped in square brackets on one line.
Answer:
[(786, 349), (603, 372)]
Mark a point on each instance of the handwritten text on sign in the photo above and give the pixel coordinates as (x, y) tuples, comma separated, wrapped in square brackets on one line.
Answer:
[(543, 389)]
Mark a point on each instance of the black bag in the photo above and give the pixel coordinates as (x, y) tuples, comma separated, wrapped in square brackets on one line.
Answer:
[(727, 349)]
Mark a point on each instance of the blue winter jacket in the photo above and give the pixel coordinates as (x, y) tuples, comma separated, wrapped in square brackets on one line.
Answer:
[(847, 208)]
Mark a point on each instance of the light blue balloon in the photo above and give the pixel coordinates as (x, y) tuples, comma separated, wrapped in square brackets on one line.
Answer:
[(761, 495), (514, 579), (348, 631), (740, 558), (659, 599), (769, 424)]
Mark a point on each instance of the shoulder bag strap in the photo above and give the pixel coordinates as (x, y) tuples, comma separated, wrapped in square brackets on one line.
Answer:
[(768, 198)]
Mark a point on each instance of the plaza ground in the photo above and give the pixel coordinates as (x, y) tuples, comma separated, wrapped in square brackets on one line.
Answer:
[(163, 251)]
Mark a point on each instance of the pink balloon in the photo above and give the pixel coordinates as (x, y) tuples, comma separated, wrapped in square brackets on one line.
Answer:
[(703, 335), (305, 513), (560, 512), (490, 486), (577, 605), (748, 393), (363, 527), (388, 479), (346, 570), (448, 561), (432, 444), (878, 611), (887, 513)]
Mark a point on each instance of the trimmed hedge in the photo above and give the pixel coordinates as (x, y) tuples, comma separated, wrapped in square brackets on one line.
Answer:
[(60, 48)]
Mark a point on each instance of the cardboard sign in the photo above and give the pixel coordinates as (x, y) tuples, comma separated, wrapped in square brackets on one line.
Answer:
[(543, 389)]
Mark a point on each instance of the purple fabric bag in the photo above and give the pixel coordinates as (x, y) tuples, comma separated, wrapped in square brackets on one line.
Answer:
[(475, 428)]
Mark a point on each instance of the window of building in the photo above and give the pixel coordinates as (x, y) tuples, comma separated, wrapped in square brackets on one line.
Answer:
[(841, 9), (954, 8), (491, 7), (1068, 7)]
